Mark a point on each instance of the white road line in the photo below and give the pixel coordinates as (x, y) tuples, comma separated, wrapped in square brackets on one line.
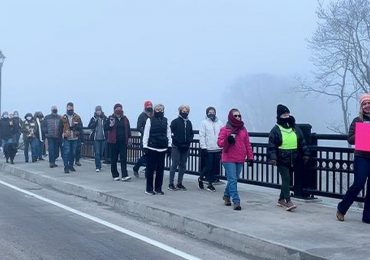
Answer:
[(105, 223)]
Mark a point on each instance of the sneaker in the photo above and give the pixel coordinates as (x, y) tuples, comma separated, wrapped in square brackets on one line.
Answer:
[(72, 169), (51, 165), (159, 192), (171, 187), (181, 187), (127, 178), (211, 188), (227, 201), (290, 206), (117, 179), (66, 170), (237, 206), (281, 203), (97, 170), (78, 163), (41, 159), (340, 216), (149, 192), (11, 161), (200, 184), (136, 174)]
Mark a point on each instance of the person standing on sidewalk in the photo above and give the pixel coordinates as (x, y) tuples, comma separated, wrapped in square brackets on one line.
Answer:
[(96, 124), (29, 131), (119, 132), (210, 151), (234, 139), (286, 146), (182, 136), (156, 142), (71, 128), (7, 133), (361, 166), (141, 121), (51, 125), (17, 127), (40, 135), (78, 150)]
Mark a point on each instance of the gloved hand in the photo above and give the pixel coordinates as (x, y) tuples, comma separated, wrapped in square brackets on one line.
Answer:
[(168, 152), (250, 162), (273, 162), (231, 139)]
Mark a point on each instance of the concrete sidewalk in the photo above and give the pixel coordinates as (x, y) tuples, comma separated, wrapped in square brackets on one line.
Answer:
[(260, 229)]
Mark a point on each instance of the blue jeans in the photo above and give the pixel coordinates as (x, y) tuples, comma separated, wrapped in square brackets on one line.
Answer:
[(362, 173), (69, 152), (53, 149), (98, 150), (33, 142), (232, 173), (78, 150), (40, 148)]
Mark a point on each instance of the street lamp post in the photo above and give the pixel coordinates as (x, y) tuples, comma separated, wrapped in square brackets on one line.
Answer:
[(2, 59)]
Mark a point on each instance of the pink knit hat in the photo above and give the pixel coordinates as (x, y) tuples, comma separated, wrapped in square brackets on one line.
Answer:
[(365, 97)]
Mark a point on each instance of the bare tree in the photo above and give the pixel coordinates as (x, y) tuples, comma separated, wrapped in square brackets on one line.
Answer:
[(340, 54)]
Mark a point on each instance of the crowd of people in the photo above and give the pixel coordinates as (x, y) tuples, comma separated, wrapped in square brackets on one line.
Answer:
[(225, 144)]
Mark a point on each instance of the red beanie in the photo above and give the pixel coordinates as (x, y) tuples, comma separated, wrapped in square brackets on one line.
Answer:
[(148, 104)]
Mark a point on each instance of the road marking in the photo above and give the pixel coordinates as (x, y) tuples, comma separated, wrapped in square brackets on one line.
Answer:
[(106, 223)]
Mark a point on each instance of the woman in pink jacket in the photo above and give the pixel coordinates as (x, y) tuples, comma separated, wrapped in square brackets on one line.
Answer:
[(234, 140)]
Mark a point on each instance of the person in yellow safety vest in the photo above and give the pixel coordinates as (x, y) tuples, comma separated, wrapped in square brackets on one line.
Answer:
[(286, 145)]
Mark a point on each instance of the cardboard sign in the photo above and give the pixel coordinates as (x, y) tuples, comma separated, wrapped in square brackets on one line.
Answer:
[(362, 137)]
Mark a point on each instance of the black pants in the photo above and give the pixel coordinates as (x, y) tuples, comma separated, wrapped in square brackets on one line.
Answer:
[(155, 162), (120, 149), (211, 169), (141, 162)]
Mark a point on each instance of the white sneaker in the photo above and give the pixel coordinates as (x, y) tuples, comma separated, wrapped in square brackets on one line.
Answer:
[(127, 178), (97, 170), (116, 179)]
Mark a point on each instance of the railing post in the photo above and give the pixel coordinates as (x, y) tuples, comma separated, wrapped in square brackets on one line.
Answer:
[(305, 177)]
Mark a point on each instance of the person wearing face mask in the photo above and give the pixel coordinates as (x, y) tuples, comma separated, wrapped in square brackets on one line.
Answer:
[(7, 134), (182, 136), (17, 127), (71, 128), (96, 124), (119, 132), (156, 143), (236, 149), (286, 146), (40, 135), (29, 131), (210, 151), (51, 127), (361, 165), (142, 119)]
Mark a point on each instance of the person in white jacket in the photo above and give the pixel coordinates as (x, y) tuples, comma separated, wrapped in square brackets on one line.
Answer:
[(210, 151)]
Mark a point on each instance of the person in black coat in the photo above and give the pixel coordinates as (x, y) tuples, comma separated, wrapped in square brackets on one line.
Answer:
[(182, 136), (7, 134), (286, 145)]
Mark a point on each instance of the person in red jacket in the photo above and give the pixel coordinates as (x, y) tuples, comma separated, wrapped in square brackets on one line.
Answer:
[(234, 140)]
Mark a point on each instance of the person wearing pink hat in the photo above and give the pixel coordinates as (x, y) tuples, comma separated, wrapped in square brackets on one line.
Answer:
[(141, 121), (361, 166)]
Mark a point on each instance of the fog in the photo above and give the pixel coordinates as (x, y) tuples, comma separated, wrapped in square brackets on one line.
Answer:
[(199, 53)]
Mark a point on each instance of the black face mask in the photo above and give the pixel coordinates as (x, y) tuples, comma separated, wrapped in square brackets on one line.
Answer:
[(184, 115), (149, 110), (54, 111), (158, 114), (70, 112), (212, 117), (286, 122)]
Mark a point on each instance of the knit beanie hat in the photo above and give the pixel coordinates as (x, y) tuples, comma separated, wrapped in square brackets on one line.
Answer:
[(210, 108), (281, 109), (70, 104), (148, 104), (117, 105), (364, 97), (98, 108)]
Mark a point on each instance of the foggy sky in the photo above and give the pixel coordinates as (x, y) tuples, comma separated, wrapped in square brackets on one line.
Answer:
[(171, 52)]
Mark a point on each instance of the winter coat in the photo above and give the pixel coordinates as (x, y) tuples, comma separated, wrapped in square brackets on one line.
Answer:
[(112, 130), (238, 152), (71, 130), (51, 126), (157, 134), (351, 135), (141, 120), (285, 157), (93, 124), (30, 129), (7, 130), (208, 134), (182, 133)]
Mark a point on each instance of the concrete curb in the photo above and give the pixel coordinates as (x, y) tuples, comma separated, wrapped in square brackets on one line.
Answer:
[(221, 236)]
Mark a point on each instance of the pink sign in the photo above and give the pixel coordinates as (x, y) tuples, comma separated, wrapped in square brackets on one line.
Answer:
[(362, 137)]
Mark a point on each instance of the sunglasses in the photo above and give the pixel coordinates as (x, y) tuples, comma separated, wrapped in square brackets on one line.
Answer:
[(240, 116)]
